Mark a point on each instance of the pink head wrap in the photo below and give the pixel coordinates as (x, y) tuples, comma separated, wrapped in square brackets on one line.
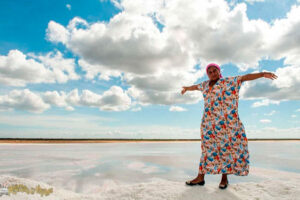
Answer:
[(215, 65)]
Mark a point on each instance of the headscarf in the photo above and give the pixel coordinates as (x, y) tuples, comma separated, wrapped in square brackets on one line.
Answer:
[(215, 65)]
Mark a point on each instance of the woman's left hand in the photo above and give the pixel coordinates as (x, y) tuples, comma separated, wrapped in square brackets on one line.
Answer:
[(270, 75)]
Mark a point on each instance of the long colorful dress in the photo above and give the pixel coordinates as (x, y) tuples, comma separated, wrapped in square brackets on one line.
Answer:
[(224, 143)]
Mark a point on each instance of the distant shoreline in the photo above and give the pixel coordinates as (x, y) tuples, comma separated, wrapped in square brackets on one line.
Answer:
[(60, 140)]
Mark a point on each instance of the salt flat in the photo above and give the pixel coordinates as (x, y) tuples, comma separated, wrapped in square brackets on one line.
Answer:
[(145, 171)]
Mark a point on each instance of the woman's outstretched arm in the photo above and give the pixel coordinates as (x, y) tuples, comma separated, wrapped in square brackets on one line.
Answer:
[(250, 77), (191, 88)]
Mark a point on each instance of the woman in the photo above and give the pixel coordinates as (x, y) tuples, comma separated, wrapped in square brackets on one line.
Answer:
[(223, 140)]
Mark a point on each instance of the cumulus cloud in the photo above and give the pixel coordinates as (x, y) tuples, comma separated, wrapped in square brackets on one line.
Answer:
[(285, 87), (283, 37), (164, 97), (114, 99), (131, 41), (154, 61), (98, 71), (176, 109), (56, 32), (57, 99), (23, 100), (18, 69), (214, 32), (163, 88)]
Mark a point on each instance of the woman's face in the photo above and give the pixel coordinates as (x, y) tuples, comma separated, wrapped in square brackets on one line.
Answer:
[(213, 73)]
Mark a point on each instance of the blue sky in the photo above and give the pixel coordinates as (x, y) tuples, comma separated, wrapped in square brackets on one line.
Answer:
[(114, 69)]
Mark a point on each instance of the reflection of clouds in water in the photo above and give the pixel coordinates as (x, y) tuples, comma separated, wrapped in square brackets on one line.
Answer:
[(97, 174), (79, 167), (139, 166), (86, 164)]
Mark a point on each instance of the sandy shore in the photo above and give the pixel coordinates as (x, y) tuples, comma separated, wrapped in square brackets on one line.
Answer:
[(122, 140)]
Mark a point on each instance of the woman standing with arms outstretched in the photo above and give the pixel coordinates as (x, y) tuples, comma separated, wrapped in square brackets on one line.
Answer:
[(224, 142)]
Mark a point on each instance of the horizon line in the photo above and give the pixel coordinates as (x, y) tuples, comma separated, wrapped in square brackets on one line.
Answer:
[(95, 140)]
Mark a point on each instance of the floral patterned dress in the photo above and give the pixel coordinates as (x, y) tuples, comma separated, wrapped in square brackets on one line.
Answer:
[(224, 143)]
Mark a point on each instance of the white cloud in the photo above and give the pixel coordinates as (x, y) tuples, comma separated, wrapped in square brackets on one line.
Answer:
[(18, 69), (163, 88), (54, 98), (136, 109), (68, 6), (285, 87), (254, 1), (116, 4), (293, 116), (57, 33), (164, 81), (270, 113), (283, 37), (298, 110), (153, 61), (156, 64), (216, 33), (131, 42), (265, 121), (147, 97), (114, 99), (62, 68), (23, 100), (264, 102), (98, 71), (176, 109)]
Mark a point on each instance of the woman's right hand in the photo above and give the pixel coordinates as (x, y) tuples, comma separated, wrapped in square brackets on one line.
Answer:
[(183, 90), (269, 75)]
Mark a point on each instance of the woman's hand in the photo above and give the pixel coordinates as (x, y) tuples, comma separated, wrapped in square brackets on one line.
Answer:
[(269, 75), (183, 90)]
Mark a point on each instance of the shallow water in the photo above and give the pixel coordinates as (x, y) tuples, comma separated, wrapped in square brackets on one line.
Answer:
[(76, 167)]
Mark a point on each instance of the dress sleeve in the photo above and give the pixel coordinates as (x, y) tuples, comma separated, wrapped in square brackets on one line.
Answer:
[(201, 86)]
